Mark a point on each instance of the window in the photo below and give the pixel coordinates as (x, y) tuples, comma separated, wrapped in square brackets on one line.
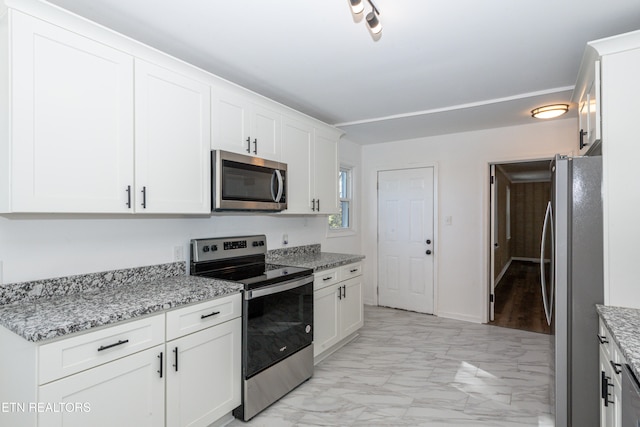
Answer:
[(342, 220)]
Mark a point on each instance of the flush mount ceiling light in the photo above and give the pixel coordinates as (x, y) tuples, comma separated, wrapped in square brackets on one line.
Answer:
[(373, 22), (549, 111)]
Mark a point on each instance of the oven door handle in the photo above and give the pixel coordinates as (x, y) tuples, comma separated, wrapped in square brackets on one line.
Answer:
[(280, 287)]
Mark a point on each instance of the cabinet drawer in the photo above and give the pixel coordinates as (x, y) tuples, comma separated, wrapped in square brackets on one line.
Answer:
[(604, 339), (325, 278), (194, 318), (71, 355), (350, 270)]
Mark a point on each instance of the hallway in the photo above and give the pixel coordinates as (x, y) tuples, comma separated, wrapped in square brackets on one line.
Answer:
[(519, 299)]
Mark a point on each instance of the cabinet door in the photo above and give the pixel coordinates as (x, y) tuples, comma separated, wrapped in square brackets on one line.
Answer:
[(351, 306), (72, 121), (605, 410), (125, 392), (326, 309), (325, 166), (594, 107), (230, 121), (583, 123), (297, 143), (203, 383), (265, 132), (172, 155)]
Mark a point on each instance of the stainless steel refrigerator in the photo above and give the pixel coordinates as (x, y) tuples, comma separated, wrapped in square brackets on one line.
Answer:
[(572, 284)]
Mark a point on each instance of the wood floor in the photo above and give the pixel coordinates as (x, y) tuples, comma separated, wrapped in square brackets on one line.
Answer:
[(519, 299)]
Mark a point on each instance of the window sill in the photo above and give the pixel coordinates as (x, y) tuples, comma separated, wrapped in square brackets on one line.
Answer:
[(341, 233)]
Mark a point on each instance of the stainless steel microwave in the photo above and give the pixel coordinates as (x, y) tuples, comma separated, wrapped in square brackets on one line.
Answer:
[(246, 183)]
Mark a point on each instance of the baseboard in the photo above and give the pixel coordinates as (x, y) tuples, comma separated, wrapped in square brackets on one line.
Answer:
[(459, 316), (536, 260), (337, 346)]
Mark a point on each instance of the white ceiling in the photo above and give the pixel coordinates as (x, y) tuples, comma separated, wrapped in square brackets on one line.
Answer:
[(441, 66)]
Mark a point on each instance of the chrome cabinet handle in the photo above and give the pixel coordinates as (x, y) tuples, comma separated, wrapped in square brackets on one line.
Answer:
[(255, 146), (248, 145), (603, 340)]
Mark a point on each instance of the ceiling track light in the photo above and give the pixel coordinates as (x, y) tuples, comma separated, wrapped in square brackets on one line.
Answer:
[(549, 111), (373, 22)]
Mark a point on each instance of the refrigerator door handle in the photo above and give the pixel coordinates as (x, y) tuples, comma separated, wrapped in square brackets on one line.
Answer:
[(543, 281)]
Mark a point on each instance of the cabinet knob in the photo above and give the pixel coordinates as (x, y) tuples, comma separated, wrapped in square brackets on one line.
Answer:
[(428, 241), (428, 251)]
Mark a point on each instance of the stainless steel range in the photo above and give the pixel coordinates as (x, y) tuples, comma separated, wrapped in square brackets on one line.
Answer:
[(277, 316)]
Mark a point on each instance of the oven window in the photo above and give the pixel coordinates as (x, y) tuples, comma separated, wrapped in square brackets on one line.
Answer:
[(277, 326), (247, 182)]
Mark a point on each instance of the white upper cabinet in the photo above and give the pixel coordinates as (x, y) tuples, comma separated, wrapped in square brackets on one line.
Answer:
[(311, 155), (244, 124), (297, 147), (325, 171), (71, 109), (587, 96), (172, 150)]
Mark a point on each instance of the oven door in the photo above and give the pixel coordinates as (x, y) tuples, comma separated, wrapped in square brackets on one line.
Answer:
[(278, 321)]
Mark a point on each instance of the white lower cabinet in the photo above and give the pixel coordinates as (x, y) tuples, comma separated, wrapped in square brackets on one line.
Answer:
[(126, 392), (203, 375), (611, 365), (337, 307), (180, 368)]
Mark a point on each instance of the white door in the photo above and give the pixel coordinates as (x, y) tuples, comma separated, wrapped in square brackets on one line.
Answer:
[(405, 239), (172, 149)]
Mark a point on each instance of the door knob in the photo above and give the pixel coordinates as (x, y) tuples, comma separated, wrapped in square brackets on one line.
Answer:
[(428, 241), (428, 251)]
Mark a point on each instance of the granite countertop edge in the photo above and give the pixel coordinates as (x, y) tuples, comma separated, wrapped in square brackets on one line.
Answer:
[(624, 324), (317, 261), (46, 319)]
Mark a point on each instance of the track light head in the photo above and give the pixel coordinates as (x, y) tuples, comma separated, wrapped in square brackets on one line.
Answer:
[(356, 6), (374, 23)]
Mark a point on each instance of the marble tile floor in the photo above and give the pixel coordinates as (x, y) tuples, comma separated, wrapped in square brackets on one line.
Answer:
[(411, 369)]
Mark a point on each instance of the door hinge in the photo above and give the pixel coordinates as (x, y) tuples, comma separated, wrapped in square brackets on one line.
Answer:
[(491, 179), (491, 298)]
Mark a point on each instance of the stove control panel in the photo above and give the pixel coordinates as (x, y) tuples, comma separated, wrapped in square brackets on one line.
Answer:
[(213, 249)]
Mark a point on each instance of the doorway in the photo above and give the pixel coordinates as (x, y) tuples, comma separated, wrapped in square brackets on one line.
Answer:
[(406, 245), (519, 195)]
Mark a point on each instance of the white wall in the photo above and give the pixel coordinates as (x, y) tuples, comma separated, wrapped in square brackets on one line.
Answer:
[(44, 246), (462, 169)]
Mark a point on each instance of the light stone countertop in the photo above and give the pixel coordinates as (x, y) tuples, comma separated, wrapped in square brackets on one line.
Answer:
[(318, 261), (43, 318), (624, 324)]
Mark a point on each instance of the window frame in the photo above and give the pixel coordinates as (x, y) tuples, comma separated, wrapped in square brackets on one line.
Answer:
[(350, 189)]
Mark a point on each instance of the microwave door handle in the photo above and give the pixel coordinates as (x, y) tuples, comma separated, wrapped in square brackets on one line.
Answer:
[(277, 175)]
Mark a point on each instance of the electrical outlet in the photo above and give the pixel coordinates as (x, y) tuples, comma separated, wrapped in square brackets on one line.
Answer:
[(285, 239), (178, 253)]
